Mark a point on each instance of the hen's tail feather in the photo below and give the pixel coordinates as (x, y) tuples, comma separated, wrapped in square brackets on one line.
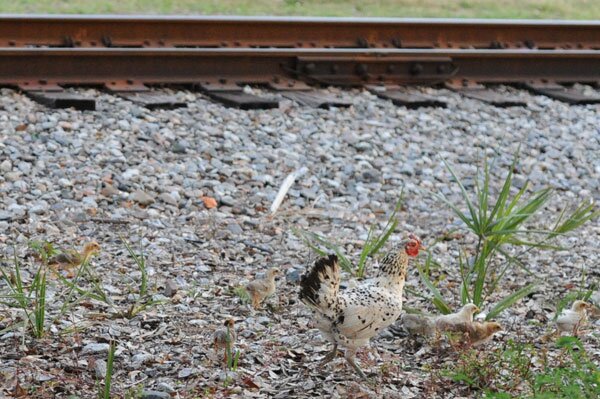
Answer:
[(319, 287)]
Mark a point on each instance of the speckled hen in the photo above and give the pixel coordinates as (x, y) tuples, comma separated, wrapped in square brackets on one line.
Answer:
[(350, 318)]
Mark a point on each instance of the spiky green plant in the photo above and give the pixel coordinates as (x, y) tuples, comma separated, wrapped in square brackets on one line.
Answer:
[(499, 225)]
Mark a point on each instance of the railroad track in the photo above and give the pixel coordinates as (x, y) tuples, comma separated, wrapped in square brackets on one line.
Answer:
[(41, 55)]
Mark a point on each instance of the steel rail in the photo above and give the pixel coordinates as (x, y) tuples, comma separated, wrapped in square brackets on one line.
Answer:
[(98, 66), (153, 31)]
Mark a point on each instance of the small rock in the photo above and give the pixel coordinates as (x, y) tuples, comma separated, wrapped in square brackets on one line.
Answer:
[(39, 207), (141, 358), (16, 210), (130, 173), (179, 147), (167, 199), (6, 166), (141, 197), (235, 228), (100, 369), (185, 372), (171, 288), (293, 276), (95, 348), (108, 190), (155, 395)]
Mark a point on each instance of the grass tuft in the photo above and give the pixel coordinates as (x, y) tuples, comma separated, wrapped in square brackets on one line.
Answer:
[(374, 242)]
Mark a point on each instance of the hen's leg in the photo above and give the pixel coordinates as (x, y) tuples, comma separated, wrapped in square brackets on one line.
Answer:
[(329, 356), (349, 355)]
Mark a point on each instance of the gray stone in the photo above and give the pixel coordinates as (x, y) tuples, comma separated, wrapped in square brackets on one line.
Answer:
[(235, 228), (155, 395), (39, 207), (141, 197), (171, 288), (167, 198), (293, 276), (186, 372), (100, 369), (6, 166), (180, 147), (95, 348)]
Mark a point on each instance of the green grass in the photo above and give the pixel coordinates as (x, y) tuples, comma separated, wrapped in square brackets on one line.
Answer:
[(31, 299), (521, 370), (322, 246), (105, 392), (537, 9)]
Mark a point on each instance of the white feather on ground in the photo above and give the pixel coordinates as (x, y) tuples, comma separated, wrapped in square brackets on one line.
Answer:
[(285, 187)]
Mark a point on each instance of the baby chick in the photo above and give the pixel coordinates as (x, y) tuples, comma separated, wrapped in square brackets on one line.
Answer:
[(571, 319), (262, 288), (224, 338), (479, 333), (72, 258), (418, 325), (463, 316)]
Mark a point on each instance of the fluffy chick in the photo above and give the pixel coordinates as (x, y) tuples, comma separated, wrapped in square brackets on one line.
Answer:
[(448, 322), (72, 258), (418, 325), (262, 288), (224, 338), (479, 333), (570, 320)]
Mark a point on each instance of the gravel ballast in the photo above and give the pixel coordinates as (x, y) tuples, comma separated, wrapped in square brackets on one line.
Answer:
[(154, 178)]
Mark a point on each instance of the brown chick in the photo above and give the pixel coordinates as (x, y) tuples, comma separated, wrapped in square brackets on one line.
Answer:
[(224, 338), (570, 320), (480, 333), (262, 288), (72, 258)]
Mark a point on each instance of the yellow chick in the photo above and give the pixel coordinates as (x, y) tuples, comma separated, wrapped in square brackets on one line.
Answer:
[(262, 288), (464, 315), (72, 258)]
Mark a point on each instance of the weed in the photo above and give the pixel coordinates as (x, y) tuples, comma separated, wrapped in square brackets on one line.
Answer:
[(497, 226), (143, 298), (105, 392), (520, 370), (30, 299), (372, 245), (44, 249), (241, 293)]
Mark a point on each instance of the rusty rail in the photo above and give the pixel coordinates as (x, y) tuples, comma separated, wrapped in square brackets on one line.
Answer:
[(152, 31), (40, 53), (328, 66)]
